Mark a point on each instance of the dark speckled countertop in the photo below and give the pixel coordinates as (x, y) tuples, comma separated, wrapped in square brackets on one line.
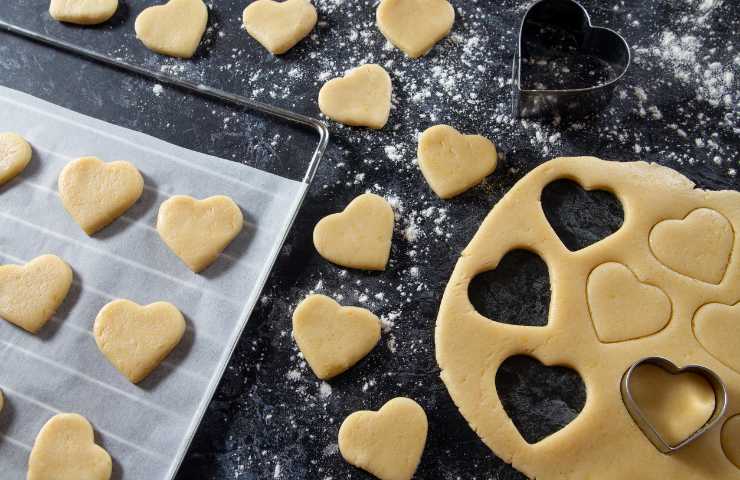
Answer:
[(270, 417)]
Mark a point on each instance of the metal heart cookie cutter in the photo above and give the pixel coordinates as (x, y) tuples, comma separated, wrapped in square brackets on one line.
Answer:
[(563, 64), (720, 402)]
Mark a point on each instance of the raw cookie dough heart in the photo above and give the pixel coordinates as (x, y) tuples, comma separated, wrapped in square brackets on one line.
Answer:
[(278, 26), (453, 163), (415, 26), (387, 443), (360, 236), (135, 338), (623, 308), (699, 246), (717, 327), (361, 98), (30, 294), (331, 337), (15, 153), (83, 12), (197, 231), (173, 29), (731, 440), (65, 449), (96, 193)]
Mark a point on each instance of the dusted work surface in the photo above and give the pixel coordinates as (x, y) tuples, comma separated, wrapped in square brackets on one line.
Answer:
[(270, 417)]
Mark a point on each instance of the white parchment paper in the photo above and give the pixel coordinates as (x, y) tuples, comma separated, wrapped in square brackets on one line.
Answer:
[(145, 428)]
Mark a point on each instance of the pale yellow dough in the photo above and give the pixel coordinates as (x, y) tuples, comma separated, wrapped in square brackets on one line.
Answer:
[(83, 12), (198, 231), (602, 442), (387, 443), (717, 327), (415, 26), (173, 29), (2, 401), (362, 98), (278, 26), (451, 162), (360, 236), (30, 294), (731, 439), (135, 338), (65, 449), (15, 153), (95, 193), (331, 337)]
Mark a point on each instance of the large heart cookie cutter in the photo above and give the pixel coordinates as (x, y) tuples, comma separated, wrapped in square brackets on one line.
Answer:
[(604, 45), (720, 403)]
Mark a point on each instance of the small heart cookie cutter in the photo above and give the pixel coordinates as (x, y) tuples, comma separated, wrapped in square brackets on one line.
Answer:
[(604, 44), (720, 402)]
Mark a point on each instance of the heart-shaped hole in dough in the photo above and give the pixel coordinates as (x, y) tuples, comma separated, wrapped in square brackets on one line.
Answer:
[(83, 12), (173, 29), (361, 98), (717, 328), (516, 292), (415, 26), (730, 437), (15, 153), (580, 217), (278, 26), (539, 399)]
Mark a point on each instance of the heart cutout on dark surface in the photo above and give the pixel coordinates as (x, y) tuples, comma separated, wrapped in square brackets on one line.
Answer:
[(516, 292), (580, 217), (540, 400)]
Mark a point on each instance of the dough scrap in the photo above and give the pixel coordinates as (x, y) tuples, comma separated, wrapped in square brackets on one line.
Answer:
[(415, 26), (2, 401), (173, 29), (731, 439), (362, 98), (717, 327), (95, 193), (135, 338), (602, 441), (453, 163), (331, 337), (15, 153), (65, 449), (278, 26), (83, 12), (30, 294), (360, 236), (387, 443), (198, 231), (623, 308)]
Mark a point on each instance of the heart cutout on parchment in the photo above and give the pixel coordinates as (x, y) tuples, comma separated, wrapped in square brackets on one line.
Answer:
[(387, 443), (699, 246), (331, 337), (135, 338), (173, 29), (278, 26), (30, 294), (360, 236), (717, 328), (622, 307), (65, 449), (95, 193), (198, 231), (15, 153), (415, 26), (362, 98), (452, 162), (83, 12)]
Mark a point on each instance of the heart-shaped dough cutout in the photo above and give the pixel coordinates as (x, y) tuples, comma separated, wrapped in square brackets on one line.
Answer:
[(331, 337), (717, 327), (173, 29), (15, 153), (83, 12), (731, 440), (135, 338), (387, 443), (623, 308), (65, 449), (699, 246), (197, 231), (676, 405), (360, 236), (278, 26), (415, 26), (95, 193), (362, 98), (451, 162), (30, 294)]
